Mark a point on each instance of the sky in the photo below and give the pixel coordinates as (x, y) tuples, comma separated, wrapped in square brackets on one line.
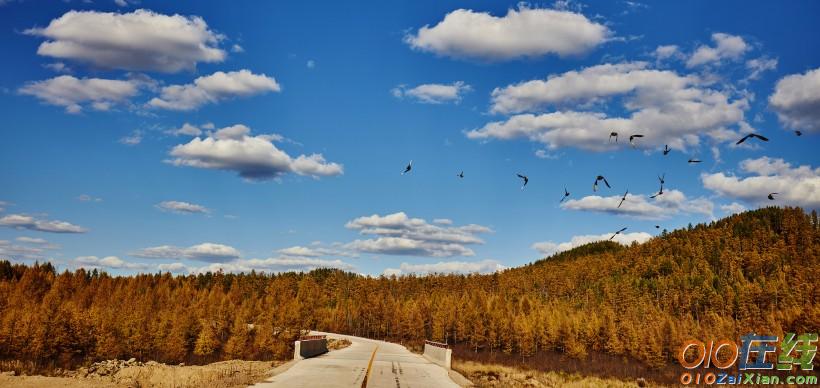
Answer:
[(186, 137)]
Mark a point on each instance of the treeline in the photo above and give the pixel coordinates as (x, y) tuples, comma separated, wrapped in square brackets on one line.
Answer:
[(753, 272)]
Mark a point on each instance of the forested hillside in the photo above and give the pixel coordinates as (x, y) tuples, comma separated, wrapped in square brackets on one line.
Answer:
[(755, 271)]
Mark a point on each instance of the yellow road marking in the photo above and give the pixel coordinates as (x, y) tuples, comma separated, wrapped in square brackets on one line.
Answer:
[(369, 367)]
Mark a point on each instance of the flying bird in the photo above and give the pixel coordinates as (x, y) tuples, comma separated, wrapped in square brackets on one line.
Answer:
[(771, 196), (751, 135), (566, 194), (461, 174), (632, 138), (662, 179), (598, 179), (617, 233), (666, 149), (623, 199), (526, 180), (798, 133), (408, 168), (613, 134), (694, 161)]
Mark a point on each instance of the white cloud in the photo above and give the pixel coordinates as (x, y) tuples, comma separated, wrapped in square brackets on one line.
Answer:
[(275, 264), (19, 221), (757, 66), (463, 267), (88, 198), (173, 267), (433, 93), (398, 234), (548, 248), (182, 207), (213, 88), (796, 100), (140, 40), (133, 139), (733, 208), (3, 205), (310, 64), (31, 240), (185, 130), (237, 49), (107, 262), (520, 33), (667, 52), (33, 248), (202, 252), (798, 186), (72, 93), (58, 67), (726, 47), (315, 251), (670, 203), (665, 107), (252, 157)]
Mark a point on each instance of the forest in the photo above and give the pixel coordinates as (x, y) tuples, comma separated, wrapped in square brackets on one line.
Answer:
[(751, 272)]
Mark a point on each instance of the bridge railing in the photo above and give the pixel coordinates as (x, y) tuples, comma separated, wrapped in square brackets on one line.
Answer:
[(312, 337), (437, 344)]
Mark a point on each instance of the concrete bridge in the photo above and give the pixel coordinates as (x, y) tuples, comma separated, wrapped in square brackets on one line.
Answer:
[(365, 363)]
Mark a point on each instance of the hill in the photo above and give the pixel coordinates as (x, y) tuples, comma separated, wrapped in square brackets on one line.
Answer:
[(754, 271)]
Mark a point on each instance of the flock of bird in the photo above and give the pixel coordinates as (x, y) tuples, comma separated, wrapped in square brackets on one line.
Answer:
[(600, 178)]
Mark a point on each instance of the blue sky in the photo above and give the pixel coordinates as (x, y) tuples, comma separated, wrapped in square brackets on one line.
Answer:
[(325, 103)]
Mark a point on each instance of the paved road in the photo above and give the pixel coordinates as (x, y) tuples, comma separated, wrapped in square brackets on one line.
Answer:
[(394, 366)]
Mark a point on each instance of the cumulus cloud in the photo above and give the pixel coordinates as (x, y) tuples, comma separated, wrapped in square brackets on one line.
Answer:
[(252, 157), (666, 107), (548, 248), (182, 207), (209, 252), (20, 221), (185, 130), (525, 32), (796, 100), (140, 40), (172, 267), (275, 265), (214, 88), (463, 267), (433, 93), (798, 186), (113, 262), (670, 203), (732, 208), (76, 93), (398, 234), (667, 52), (726, 47)]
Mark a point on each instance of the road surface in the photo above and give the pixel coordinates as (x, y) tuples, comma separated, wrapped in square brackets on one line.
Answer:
[(393, 366)]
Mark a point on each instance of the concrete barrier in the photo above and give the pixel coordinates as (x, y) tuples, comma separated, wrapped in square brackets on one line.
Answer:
[(438, 353), (309, 347)]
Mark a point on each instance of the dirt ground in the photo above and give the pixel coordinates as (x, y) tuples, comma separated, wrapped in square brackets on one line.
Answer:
[(494, 375), (225, 374)]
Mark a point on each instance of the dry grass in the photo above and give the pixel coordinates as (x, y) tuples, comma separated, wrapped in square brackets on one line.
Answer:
[(225, 374), (495, 375), (336, 344)]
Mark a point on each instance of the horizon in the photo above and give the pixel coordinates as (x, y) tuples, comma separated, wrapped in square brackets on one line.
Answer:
[(214, 138)]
